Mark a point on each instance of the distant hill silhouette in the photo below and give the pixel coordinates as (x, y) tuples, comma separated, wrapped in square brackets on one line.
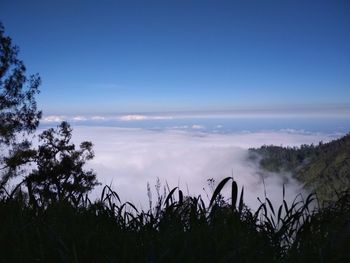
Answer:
[(324, 168)]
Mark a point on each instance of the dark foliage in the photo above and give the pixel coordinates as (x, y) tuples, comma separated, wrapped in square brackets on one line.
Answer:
[(178, 229), (324, 168), (59, 175), (18, 110)]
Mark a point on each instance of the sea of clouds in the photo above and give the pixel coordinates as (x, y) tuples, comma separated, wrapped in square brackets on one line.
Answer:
[(129, 158)]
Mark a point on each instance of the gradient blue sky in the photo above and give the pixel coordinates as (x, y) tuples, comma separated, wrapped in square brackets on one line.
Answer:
[(137, 56)]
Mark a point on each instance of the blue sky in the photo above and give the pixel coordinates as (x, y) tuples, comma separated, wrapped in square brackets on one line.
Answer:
[(143, 56)]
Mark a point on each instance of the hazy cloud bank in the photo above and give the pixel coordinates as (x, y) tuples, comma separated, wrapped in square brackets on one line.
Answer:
[(296, 111), (128, 158), (83, 118)]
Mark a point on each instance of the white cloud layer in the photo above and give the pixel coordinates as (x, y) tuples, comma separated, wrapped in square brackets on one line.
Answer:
[(136, 117), (308, 111), (79, 118), (129, 158)]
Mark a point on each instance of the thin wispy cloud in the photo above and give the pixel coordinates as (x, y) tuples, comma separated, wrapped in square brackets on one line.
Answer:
[(82, 118), (197, 127), (53, 118), (98, 118), (301, 111), (136, 117), (79, 118)]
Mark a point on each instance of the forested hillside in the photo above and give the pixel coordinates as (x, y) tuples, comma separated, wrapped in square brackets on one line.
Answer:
[(324, 168)]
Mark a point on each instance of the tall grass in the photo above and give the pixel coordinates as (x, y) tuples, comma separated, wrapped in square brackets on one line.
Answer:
[(177, 228)]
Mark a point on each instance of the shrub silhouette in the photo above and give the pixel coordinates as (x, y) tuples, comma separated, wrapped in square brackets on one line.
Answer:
[(178, 229)]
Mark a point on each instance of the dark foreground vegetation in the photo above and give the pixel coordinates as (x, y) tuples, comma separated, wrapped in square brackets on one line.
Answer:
[(178, 229), (46, 216)]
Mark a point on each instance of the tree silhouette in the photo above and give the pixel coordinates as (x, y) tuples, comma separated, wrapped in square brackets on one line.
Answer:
[(59, 175), (18, 110)]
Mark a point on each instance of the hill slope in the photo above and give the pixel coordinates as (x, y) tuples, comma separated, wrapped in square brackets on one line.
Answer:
[(324, 168)]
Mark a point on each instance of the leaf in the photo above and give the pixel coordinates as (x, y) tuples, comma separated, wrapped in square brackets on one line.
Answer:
[(103, 193), (234, 194), (279, 213), (218, 190), (240, 208), (181, 197), (270, 205), (130, 204), (169, 195)]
